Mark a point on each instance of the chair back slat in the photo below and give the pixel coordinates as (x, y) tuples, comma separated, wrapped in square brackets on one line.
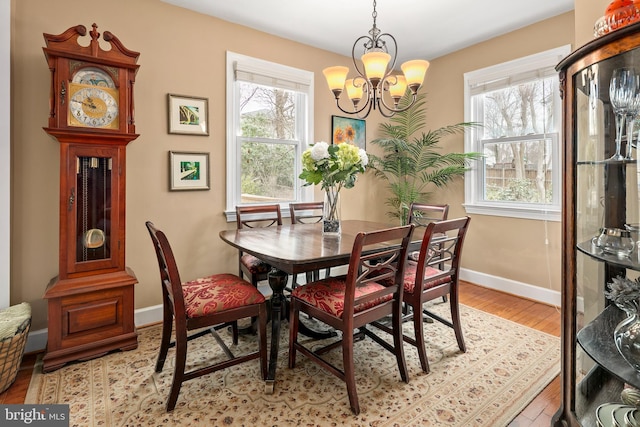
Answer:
[(306, 212), (373, 260), (442, 246), (258, 216), (422, 214)]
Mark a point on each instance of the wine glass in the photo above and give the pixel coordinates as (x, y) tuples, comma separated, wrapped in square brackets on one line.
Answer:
[(631, 117), (622, 88)]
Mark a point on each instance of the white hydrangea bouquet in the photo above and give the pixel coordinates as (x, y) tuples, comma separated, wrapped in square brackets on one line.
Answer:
[(334, 167)]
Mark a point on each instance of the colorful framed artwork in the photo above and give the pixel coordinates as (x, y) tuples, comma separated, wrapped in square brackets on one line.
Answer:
[(346, 129), (188, 171), (188, 115)]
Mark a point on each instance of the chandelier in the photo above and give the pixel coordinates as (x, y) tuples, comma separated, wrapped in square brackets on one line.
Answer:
[(377, 78)]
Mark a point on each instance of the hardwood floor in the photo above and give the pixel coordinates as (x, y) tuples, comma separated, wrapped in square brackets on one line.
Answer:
[(526, 312), (535, 315)]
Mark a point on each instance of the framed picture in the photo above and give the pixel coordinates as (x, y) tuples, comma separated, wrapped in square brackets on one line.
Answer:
[(188, 115), (188, 171), (346, 129)]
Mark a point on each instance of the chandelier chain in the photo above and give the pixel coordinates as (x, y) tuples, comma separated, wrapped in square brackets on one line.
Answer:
[(374, 14), (374, 32)]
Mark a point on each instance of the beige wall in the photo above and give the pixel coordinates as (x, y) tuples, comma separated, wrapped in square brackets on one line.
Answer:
[(587, 13), (184, 52)]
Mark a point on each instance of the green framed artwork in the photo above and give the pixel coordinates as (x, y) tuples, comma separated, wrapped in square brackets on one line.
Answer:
[(346, 129), (188, 171)]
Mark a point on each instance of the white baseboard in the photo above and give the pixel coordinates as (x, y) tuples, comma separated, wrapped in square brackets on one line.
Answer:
[(37, 340), (513, 287)]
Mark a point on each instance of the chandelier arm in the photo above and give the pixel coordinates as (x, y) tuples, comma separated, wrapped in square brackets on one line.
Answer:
[(384, 113), (366, 94), (368, 104), (357, 111), (395, 49), (394, 110), (370, 41)]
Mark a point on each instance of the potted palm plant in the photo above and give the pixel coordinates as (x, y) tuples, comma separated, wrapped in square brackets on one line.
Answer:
[(412, 165)]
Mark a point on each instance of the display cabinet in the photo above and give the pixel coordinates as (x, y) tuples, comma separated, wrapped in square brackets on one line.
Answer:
[(600, 217)]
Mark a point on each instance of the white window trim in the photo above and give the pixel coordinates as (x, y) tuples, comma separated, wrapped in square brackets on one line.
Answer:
[(277, 71), (473, 202)]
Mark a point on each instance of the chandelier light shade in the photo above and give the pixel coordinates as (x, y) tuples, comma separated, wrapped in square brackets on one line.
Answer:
[(376, 76)]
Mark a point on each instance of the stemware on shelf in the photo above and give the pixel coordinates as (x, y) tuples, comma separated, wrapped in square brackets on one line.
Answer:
[(623, 89), (632, 114)]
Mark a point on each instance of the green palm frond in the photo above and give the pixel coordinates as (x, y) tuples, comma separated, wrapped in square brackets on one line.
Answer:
[(412, 164)]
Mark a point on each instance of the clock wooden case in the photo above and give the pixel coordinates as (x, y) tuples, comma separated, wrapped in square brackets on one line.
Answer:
[(91, 115)]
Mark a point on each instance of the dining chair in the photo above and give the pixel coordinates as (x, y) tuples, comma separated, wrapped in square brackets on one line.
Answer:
[(307, 213), (254, 269), (371, 289), (212, 302), (426, 280)]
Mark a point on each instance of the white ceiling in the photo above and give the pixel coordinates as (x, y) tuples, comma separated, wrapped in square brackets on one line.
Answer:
[(424, 29)]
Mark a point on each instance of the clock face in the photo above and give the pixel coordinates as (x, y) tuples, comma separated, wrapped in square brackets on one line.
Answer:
[(93, 106), (93, 76)]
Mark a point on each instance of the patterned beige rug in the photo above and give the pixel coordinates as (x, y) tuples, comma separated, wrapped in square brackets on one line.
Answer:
[(506, 365)]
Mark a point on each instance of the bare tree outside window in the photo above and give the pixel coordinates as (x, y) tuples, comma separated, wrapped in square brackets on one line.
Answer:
[(517, 143), (268, 143)]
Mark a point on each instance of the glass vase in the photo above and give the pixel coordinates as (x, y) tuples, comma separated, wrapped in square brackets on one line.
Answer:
[(331, 214), (627, 339)]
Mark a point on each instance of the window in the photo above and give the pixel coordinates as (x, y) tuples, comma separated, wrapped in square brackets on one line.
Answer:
[(270, 124), (518, 106)]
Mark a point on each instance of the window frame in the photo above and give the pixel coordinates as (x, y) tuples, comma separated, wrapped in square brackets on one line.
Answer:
[(265, 71), (474, 187)]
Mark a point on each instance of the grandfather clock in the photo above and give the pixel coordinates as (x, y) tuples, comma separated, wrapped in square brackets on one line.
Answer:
[(91, 116)]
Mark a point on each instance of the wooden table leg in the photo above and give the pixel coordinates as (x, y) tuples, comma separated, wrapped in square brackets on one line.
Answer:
[(277, 282)]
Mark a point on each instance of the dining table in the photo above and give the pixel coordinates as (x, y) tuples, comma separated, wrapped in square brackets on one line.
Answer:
[(293, 249)]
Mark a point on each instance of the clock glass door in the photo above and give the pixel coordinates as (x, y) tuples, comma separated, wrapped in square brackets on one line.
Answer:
[(94, 208)]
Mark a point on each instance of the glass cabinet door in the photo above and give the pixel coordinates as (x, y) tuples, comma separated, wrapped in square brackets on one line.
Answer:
[(605, 209)]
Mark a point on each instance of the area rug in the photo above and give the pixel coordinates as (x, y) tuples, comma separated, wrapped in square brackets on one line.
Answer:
[(506, 365)]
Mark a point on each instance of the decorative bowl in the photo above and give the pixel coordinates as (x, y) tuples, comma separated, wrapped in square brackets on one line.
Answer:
[(616, 17), (615, 241)]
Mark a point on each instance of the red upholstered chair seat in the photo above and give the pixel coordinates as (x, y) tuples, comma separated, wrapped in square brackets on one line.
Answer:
[(328, 295), (217, 293), (254, 265), (410, 277)]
